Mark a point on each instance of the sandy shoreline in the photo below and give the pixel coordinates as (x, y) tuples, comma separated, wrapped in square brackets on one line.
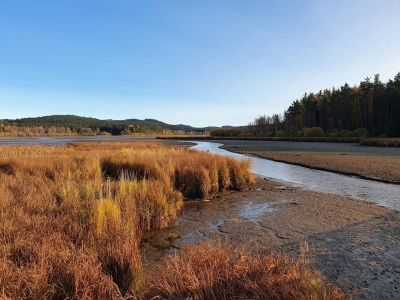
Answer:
[(356, 244)]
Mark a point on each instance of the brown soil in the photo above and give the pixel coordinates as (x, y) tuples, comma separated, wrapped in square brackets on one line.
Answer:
[(356, 244), (381, 168)]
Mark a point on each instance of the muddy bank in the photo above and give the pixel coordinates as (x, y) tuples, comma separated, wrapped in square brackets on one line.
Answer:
[(383, 167), (355, 243)]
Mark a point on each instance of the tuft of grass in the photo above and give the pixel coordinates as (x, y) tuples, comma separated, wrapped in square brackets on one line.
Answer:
[(107, 217), (240, 178), (219, 271)]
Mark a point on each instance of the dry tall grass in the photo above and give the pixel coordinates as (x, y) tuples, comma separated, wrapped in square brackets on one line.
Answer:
[(381, 142), (71, 217), (215, 271)]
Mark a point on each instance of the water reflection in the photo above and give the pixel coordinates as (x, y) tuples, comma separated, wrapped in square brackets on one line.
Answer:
[(64, 140), (252, 211), (320, 181)]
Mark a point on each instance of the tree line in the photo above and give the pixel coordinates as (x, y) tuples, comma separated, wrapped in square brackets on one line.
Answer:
[(370, 109), (75, 125)]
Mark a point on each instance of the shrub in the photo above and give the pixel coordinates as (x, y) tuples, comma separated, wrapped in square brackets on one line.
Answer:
[(314, 132), (280, 133), (360, 132), (299, 133)]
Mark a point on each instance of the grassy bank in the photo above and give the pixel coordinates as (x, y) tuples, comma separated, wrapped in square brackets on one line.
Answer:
[(72, 217), (381, 142)]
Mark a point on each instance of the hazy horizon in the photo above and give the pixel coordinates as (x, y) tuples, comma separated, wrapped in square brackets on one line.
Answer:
[(194, 63)]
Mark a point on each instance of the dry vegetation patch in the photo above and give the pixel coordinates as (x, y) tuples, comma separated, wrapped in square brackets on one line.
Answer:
[(218, 271), (72, 216), (381, 142)]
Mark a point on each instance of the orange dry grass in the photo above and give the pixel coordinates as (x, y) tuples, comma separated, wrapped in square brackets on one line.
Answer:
[(71, 217), (196, 174), (216, 271)]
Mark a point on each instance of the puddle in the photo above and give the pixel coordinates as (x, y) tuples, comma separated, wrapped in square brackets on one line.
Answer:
[(252, 211)]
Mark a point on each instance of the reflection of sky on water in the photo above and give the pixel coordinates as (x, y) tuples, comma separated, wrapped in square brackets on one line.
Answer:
[(320, 181), (252, 211)]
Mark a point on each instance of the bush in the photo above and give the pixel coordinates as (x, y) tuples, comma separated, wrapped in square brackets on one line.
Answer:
[(360, 132), (280, 133), (246, 134), (299, 133), (314, 132)]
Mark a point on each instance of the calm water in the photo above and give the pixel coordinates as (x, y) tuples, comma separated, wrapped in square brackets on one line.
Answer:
[(66, 139), (380, 193)]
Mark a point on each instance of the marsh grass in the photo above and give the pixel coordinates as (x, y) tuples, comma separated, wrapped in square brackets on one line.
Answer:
[(71, 217), (381, 142), (219, 271)]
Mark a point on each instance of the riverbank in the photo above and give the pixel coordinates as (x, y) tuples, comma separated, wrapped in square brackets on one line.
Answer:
[(367, 165), (354, 243)]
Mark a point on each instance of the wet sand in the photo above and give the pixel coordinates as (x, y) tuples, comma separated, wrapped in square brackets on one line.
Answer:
[(356, 244)]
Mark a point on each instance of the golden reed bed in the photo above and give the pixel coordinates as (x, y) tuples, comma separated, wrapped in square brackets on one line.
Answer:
[(72, 216)]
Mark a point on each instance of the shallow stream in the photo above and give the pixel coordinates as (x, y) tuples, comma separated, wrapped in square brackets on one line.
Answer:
[(383, 194)]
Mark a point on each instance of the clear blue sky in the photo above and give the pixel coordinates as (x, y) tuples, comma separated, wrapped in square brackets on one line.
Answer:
[(193, 62)]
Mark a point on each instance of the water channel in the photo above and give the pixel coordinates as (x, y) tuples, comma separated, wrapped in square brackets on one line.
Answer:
[(383, 194)]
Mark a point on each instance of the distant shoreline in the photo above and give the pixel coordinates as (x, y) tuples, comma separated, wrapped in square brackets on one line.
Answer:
[(378, 142)]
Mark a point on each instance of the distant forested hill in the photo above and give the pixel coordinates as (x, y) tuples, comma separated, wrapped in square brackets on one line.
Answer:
[(71, 125)]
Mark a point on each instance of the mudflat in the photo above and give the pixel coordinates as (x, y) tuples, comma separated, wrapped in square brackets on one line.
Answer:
[(376, 163), (356, 244)]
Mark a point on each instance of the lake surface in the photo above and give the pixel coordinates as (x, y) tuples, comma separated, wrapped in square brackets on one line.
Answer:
[(314, 180), (62, 140)]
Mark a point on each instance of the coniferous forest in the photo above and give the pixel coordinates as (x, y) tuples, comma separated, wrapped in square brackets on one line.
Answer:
[(370, 109)]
